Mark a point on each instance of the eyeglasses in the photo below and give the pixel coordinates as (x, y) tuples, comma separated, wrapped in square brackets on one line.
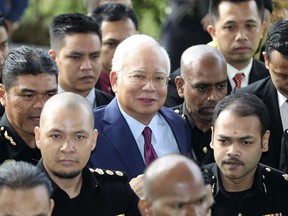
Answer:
[(142, 79)]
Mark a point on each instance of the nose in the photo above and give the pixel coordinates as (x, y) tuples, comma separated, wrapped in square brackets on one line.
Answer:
[(192, 210), (233, 150), (67, 146), (213, 96), (241, 34), (86, 64), (149, 84), (39, 101)]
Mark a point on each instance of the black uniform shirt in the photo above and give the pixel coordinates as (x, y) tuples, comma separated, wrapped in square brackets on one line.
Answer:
[(103, 193), (13, 147), (268, 194), (200, 141)]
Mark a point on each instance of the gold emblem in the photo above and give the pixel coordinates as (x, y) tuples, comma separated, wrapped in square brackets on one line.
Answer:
[(9, 138), (109, 172), (285, 176), (268, 169), (263, 176), (177, 111), (119, 173), (99, 171), (205, 149), (265, 189), (91, 170)]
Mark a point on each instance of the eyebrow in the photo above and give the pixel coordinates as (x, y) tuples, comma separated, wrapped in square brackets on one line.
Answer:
[(26, 90), (3, 42), (238, 138)]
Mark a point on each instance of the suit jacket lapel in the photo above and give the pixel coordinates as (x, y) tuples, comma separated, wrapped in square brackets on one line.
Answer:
[(122, 140)]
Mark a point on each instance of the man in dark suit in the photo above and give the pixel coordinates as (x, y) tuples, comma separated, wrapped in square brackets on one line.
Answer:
[(139, 76), (237, 36), (3, 50), (273, 90), (75, 41)]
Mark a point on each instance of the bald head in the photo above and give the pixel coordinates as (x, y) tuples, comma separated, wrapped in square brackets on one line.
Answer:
[(173, 185), (201, 54), (170, 171), (69, 101)]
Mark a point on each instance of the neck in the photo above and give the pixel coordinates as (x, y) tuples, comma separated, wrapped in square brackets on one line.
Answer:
[(204, 126), (239, 65)]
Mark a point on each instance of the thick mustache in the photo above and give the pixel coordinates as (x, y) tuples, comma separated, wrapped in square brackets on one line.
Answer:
[(233, 160)]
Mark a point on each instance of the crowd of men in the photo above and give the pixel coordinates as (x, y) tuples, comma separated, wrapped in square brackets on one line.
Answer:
[(95, 126)]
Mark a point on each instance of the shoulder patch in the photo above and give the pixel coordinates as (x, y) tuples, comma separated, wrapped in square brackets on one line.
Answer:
[(4, 133)]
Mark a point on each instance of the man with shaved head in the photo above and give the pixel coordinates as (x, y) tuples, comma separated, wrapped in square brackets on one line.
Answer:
[(66, 137), (174, 185), (202, 84)]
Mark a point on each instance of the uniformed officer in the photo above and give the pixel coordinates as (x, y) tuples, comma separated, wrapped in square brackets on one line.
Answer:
[(29, 79), (66, 138), (202, 83), (241, 185)]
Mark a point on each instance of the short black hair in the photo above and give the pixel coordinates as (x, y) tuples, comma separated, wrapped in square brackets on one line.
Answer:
[(3, 23), (25, 61), (244, 104), (21, 175), (68, 24), (214, 8), (114, 12), (277, 38)]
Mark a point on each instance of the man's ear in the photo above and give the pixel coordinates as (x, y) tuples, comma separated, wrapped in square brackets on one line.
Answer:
[(265, 141), (52, 53), (266, 59), (212, 32), (212, 142), (3, 95), (179, 81), (114, 76), (95, 136), (144, 207), (37, 137)]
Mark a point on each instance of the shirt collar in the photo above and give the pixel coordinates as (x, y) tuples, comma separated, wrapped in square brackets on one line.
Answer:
[(138, 127), (232, 71), (281, 99)]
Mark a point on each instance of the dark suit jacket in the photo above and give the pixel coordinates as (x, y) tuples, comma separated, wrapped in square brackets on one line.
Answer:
[(102, 98), (116, 148), (265, 90), (258, 72)]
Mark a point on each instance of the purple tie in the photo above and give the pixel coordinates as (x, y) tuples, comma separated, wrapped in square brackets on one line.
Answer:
[(149, 152)]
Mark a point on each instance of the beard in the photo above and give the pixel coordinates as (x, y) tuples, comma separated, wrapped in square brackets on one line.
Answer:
[(67, 175)]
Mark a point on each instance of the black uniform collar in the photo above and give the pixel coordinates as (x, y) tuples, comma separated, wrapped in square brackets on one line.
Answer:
[(217, 186), (16, 143)]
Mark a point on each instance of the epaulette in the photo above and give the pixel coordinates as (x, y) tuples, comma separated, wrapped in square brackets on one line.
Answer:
[(274, 173), (109, 174), (5, 135), (179, 111)]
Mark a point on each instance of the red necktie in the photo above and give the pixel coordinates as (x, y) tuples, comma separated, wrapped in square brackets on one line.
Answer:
[(238, 79), (149, 152)]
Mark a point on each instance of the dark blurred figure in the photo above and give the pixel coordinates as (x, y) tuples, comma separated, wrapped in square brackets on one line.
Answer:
[(183, 27), (4, 49), (12, 10)]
